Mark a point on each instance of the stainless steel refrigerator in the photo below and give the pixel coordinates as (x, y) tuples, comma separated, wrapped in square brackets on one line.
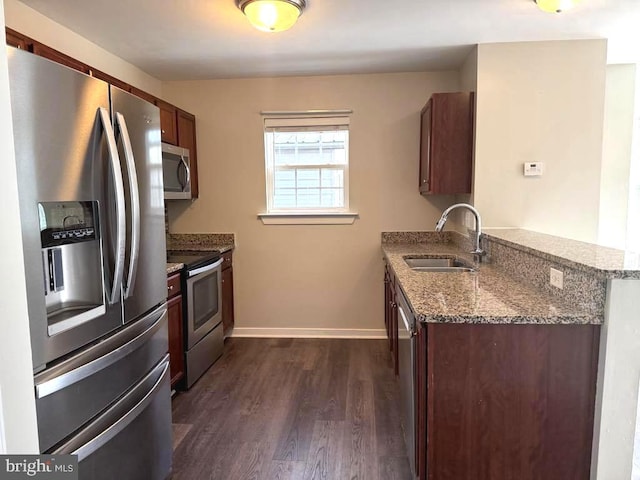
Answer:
[(91, 202)]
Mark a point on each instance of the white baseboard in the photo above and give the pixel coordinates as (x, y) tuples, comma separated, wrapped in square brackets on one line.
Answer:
[(372, 333)]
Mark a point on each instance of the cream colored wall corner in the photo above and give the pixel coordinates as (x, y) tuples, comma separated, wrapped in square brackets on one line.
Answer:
[(463, 220), (540, 102), (17, 404), (28, 21), (314, 277), (620, 103)]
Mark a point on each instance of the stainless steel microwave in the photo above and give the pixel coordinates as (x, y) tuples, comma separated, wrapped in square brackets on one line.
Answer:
[(176, 172)]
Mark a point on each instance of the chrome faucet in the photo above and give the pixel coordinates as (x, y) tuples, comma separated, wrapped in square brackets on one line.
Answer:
[(478, 252)]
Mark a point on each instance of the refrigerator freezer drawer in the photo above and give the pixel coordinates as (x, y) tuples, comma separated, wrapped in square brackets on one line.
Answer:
[(132, 439), (72, 393)]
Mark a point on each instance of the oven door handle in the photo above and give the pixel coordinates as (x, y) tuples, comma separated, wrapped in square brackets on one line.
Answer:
[(206, 268)]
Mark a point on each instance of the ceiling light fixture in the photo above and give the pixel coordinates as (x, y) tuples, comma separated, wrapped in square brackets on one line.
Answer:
[(555, 6), (272, 15)]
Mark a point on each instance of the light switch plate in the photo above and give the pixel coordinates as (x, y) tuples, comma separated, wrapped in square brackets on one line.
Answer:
[(556, 278), (533, 169)]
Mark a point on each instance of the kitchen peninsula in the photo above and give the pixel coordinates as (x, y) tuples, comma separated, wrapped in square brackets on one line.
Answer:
[(505, 366)]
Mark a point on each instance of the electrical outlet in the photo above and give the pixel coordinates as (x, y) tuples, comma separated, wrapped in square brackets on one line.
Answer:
[(556, 278)]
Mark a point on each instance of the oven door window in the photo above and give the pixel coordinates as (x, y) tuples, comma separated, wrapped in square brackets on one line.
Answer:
[(205, 299)]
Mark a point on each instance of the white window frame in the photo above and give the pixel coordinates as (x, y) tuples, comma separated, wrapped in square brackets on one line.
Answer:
[(301, 121)]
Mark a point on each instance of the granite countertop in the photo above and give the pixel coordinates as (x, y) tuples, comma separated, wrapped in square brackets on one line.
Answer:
[(198, 242), (604, 261), (222, 248), (488, 295), (174, 267)]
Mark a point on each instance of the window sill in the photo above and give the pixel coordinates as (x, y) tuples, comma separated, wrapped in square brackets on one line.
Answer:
[(301, 218)]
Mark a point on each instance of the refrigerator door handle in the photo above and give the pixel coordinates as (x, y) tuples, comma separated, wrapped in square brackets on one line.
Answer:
[(135, 204), (118, 270), (55, 384), (93, 445)]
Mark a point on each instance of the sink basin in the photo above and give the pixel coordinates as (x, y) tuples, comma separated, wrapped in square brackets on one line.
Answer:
[(437, 265)]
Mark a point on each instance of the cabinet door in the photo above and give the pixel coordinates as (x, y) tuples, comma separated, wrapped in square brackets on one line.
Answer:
[(425, 147), (394, 331), (421, 403), (59, 57), (387, 300), (168, 126), (15, 39), (176, 343), (187, 139), (446, 144), (227, 300)]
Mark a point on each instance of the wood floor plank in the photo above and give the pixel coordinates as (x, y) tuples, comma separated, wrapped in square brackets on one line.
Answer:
[(394, 468), (286, 470), (325, 459), (359, 439), (292, 409)]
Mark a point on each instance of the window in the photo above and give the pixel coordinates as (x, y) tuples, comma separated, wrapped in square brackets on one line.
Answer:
[(307, 165)]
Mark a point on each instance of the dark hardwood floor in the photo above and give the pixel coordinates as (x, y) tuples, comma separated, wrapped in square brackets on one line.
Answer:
[(292, 409)]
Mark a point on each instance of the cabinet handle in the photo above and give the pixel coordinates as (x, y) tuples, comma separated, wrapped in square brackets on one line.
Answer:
[(424, 181), (163, 131), (170, 287)]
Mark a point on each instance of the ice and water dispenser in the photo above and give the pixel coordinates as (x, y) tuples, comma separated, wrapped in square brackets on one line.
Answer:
[(72, 263)]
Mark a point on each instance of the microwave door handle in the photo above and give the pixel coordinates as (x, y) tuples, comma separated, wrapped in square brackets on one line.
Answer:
[(188, 170), (121, 224), (134, 254)]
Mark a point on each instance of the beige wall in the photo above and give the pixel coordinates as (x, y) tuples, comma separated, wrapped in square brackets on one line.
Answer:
[(28, 21), (468, 83), (17, 402), (309, 276), (540, 102), (619, 107)]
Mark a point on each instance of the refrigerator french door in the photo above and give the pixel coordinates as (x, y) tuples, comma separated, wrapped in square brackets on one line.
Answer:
[(91, 203)]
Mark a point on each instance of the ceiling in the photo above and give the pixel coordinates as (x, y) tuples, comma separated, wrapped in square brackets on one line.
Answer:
[(200, 39)]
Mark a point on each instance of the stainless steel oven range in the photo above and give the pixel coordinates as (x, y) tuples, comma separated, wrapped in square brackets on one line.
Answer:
[(204, 340)]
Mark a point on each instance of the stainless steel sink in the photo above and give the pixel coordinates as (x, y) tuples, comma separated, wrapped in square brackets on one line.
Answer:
[(437, 265)]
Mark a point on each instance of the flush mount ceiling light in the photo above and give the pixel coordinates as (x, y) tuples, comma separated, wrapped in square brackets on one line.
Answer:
[(555, 6), (272, 15)]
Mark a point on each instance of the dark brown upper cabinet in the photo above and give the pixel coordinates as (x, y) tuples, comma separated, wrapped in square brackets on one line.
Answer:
[(168, 122), (59, 57), (16, 39), (109, 79), (186, 126), (446, 143), (143, 95)]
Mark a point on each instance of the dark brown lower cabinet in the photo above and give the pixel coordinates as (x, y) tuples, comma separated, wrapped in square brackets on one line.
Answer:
[(176, 329), (506, 402), (391, 315), (227, 294)]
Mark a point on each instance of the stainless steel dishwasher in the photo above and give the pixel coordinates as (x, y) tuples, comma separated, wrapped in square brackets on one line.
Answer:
[(406, 356)]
